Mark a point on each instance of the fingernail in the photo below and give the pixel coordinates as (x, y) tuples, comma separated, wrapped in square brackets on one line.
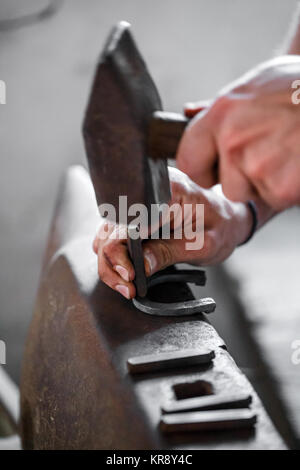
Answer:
[(151, 260), (123, 272), (123, 290)]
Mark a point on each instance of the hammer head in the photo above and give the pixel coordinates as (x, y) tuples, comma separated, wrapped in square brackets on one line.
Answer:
[(121, 105)]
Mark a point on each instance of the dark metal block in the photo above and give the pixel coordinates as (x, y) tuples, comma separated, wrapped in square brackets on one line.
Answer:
[(169, 360), (207, 421), (208, 402)]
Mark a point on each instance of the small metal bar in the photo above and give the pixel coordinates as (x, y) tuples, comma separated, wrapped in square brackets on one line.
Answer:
[(162, 361), (208, 402), (207, 421)]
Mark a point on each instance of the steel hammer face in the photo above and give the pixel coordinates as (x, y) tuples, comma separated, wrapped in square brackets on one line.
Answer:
[(122, 103)]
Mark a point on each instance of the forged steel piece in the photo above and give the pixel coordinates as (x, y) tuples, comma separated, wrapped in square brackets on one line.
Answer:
[(174, 309), (76, 392), (185, 307), (208, 420), (209, 402), (169, 360)]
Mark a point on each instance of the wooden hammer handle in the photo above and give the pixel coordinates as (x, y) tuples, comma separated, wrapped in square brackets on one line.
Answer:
[(165, 131)]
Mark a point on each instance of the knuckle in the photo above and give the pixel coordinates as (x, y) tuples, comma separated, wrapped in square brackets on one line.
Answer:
[(255, 170), (221, 106), (230, 142), (222, 102)]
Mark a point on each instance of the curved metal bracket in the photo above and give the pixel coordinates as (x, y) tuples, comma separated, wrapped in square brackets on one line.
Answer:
[(189, 307)]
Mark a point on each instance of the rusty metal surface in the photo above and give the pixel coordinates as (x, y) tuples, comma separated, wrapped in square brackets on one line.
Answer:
[(120, 108), (76, 392)]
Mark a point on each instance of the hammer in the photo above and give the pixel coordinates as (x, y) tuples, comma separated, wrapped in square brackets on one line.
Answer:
[(128, 138)]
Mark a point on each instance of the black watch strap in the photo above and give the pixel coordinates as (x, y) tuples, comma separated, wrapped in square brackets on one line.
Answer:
[(253, 210)]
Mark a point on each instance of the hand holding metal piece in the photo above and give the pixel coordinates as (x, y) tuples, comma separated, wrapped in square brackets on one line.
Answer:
[(151, 307)]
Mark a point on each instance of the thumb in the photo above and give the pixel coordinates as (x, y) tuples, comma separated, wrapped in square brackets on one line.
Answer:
[(159, 254)]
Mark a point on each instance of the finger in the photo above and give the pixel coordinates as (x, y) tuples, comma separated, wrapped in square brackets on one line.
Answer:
[(197, 151), (116, 254), (103, 233), (191, 109), (158, 255), (112, 279)]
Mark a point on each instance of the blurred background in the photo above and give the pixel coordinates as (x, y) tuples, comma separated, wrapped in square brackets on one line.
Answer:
[(192, 48)]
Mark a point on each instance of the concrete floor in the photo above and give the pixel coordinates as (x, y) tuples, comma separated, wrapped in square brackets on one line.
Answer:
[(192, 49)]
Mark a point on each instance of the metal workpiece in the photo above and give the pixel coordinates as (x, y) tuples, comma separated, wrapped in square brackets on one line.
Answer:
[(219, 420), (209, 402), (76, 392), (176, 309), (169, 360), (144, 303)]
